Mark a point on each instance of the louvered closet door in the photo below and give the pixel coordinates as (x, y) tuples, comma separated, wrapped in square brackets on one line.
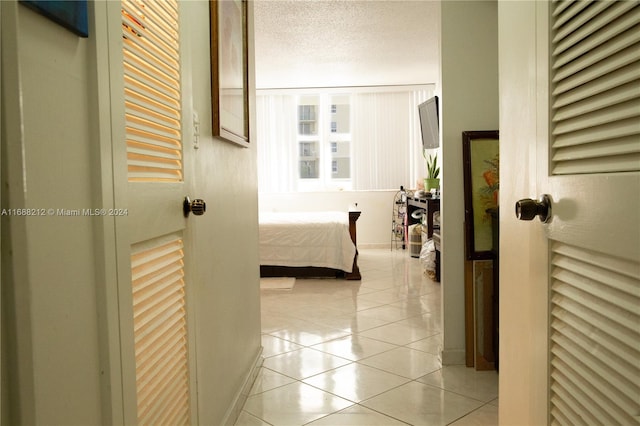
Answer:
[(594, 237), (154, 139)]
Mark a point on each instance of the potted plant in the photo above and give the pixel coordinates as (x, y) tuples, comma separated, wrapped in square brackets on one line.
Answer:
[(432, 181)]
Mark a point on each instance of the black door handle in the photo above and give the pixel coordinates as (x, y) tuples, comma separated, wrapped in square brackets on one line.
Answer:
[(527, 209), (198, 207)]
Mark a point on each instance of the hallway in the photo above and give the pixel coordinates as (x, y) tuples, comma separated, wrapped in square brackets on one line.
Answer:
[(363, 353)]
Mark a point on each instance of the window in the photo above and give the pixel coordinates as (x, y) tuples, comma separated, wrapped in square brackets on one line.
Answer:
[(307, 120), (309, 160), (340, 139), (308, 169), (341, 164), (307, 112), (308, 149), (324, 142)]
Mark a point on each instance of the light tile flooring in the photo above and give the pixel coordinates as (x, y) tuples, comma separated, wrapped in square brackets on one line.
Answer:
[(363, 353)]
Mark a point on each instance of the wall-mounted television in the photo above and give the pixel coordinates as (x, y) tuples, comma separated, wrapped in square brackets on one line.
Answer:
[(429, 127)]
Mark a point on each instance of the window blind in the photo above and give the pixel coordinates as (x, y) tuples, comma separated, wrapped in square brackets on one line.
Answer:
[(152, 90)]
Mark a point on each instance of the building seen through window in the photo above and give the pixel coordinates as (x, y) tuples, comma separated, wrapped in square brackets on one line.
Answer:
[(324, 139), (307, 120), (309, 160)]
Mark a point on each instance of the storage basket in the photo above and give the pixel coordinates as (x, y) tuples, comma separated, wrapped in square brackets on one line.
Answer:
[(415, 240)]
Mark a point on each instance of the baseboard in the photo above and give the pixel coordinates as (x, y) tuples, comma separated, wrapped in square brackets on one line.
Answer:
[(453, 357), (236, 408)]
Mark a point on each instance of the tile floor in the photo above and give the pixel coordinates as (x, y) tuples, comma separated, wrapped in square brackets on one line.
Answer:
[(363, 353)]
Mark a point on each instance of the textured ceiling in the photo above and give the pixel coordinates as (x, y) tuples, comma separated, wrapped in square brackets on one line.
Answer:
[(317, 43)]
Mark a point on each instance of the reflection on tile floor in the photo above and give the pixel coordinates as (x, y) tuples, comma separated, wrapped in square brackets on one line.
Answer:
[(342, 352)]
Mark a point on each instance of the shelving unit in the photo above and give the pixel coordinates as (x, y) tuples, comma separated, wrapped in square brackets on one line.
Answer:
[(429, 206), (399, 219)]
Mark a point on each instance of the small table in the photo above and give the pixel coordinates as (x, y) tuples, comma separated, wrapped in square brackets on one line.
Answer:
[(353, 218)]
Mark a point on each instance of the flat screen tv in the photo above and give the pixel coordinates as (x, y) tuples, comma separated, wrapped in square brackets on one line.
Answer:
[(429, 127)]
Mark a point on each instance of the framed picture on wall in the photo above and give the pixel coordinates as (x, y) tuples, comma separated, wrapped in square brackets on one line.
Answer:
[(71, 14), (481, 161), (229, 70)]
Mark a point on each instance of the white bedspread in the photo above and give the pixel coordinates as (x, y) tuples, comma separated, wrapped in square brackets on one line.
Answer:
[(306, 239)]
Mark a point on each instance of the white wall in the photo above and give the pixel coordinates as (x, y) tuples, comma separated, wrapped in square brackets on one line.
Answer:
[(469, 56), (373, 226), (48, 262), (226, 244), (54, 268)]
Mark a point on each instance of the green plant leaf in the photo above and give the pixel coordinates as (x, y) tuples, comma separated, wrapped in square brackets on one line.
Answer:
[(433, 171)]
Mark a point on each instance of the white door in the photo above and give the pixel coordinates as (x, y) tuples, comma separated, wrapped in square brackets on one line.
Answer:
[(151, 122), (570, 288)]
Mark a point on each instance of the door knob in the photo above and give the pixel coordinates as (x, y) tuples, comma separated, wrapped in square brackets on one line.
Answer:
[(527, 209), (197, 207)]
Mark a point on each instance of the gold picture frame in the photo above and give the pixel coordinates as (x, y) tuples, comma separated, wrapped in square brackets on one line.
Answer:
[(229, 70)]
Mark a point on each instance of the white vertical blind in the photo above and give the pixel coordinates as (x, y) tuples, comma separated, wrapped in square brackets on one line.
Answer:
[(152, 90), (277, 130), (595, 87), (387, 149), (381, 134)]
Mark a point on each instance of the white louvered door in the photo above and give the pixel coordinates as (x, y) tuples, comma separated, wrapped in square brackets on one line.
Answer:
[(570, 289), (594, 238), (153, 114)]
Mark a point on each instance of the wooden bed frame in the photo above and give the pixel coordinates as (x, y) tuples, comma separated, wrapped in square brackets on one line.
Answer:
[(314, 271)]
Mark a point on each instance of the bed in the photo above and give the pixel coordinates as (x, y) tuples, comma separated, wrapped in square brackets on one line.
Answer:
[(309, 244)]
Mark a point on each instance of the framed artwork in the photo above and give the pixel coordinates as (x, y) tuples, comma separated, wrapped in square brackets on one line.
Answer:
[(481, 160), (229, 70), (70, 14)]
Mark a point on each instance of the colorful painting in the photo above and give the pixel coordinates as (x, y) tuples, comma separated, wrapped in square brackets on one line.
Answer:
[(481, 156), (488, 186)]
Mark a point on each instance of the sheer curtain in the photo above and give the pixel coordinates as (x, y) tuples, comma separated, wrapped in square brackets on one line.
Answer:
[(385, 139), (276, 132)]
